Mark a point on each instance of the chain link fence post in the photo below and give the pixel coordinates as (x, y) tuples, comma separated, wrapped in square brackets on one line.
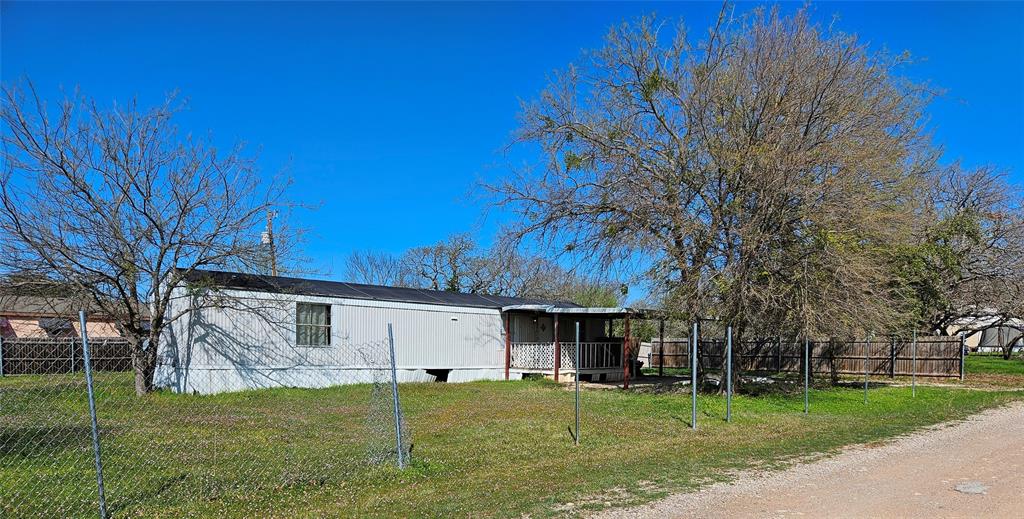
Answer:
[(693, 379), (576, 368), (867, 353), (807, 374), (395, 399), (661, 349), (892, 357), (728, 375), (913, 369), (92, 411), (963, 346)]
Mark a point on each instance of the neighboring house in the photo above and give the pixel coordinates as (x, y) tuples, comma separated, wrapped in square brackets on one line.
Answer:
[(25, 317), (989, 333), (264, 331)]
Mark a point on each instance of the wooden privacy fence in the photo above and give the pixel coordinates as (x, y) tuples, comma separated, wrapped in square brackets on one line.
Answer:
[(44, 356), (936, 356)]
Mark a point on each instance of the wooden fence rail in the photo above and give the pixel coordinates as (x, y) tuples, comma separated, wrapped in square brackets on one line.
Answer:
[(936, 356), (45, 356)]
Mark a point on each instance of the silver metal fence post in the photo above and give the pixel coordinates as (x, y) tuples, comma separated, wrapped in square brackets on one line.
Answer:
[(807, 374), (728, 375), (913, 369), (693, 379), (867, 351), (92, 412), (576, 365), (394, 398), (1, 356)]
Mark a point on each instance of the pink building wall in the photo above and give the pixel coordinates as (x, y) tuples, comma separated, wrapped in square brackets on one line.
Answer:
[(28, 327)]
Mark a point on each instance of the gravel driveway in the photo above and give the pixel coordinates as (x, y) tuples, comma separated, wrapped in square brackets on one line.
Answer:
[(973, 468)]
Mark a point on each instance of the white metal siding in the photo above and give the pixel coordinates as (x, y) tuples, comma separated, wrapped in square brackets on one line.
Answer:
[(256, 348)]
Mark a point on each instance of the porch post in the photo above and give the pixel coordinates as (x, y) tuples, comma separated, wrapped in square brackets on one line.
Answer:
[(558, 350), (508, 342), (626, 361)]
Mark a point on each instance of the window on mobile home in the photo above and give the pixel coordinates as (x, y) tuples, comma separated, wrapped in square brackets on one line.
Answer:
[(312, 324)]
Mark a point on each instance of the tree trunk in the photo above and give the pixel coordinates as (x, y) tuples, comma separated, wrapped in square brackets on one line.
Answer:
[(143, 362), (1008, 349)]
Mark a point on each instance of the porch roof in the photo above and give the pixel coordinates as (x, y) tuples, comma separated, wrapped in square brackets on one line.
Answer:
[(614, 311)]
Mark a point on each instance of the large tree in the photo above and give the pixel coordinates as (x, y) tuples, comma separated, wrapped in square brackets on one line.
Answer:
[(762, 175), (119, 206), (974, 253), (968, 257)]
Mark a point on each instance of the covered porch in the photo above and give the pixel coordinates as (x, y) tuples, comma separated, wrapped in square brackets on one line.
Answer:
[(541, 339)]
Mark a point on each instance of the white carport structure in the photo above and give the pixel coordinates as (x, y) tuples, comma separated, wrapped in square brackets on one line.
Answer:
[(988, 333)]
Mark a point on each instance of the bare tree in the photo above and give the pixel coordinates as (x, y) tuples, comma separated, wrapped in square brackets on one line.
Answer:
[(457, 263), (376, 268), (118, 205), (446, 265), (525, 274), (762, 175)]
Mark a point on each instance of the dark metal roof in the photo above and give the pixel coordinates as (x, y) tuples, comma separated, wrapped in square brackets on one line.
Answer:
[(315, 287), (55, 324), (44, 306)]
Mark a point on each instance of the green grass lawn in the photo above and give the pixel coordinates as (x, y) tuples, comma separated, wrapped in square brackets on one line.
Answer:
[(481, 449), (668, 372), (987, 363), (993, 370)]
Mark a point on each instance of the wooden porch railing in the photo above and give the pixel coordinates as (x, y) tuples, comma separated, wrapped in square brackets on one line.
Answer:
[(541, 355)]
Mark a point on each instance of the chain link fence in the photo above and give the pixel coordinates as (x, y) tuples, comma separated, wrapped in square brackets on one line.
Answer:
[(925, 356), (221, 451)]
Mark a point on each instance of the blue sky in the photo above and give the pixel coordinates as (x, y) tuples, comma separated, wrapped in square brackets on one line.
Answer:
[(387, 114)]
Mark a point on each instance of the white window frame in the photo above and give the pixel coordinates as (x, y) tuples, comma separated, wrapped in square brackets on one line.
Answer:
[(313, 326)]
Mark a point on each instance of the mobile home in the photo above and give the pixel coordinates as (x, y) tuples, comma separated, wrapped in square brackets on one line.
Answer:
[(246, 331)]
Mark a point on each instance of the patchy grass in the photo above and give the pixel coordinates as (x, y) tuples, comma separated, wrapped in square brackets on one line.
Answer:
[(994, 371), (481, 449)]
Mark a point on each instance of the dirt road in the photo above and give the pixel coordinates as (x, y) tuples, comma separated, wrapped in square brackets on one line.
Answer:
[(971, 469)]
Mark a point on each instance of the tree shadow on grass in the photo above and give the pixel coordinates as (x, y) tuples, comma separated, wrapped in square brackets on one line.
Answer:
[(43, 441)]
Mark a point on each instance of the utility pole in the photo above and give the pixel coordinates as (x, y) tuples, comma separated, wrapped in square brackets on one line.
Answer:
[(268, 240)]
